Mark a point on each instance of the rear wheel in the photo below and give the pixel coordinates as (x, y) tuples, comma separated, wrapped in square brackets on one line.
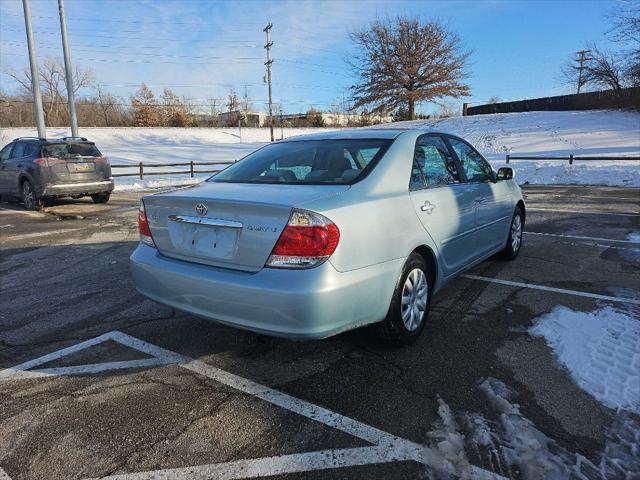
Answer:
[(409, 307), (100, 197), (514, 241), (29, 197)]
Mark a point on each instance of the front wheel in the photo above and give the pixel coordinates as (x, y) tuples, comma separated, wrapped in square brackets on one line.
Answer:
[(514, 241), (100, 197), (409, 307), (29, 197)]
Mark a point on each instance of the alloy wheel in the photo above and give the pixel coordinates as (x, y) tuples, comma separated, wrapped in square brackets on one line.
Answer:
[(414, 299), (516, 233), (28, 196)]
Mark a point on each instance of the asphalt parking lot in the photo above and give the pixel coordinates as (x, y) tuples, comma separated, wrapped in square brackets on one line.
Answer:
[(100, 382)]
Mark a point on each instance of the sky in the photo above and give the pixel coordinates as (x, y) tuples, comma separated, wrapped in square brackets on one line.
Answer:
[(202, 48)]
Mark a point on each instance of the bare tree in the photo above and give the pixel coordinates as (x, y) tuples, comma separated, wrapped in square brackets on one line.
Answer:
[(54, 88), (625, 30), (494, 99), (405, 61), (175, 111), (145, 108), (605, 70)]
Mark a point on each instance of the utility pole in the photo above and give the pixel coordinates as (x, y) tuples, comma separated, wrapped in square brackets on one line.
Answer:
[(35, 75), (268, 63), (67, 68), (582, 60)]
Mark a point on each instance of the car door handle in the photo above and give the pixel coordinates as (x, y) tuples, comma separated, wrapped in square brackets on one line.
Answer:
[(427, 207)]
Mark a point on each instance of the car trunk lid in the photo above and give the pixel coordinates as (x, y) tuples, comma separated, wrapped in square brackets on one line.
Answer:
[(226, 225)]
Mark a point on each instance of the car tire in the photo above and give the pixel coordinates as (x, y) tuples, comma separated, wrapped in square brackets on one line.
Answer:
[(409, 309), (30, 198), (100, 197), (514, 240)]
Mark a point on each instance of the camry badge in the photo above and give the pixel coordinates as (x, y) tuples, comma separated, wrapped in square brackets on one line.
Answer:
[(201, 209)]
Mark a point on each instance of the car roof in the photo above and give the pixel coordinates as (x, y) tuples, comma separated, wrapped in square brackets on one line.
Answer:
[(375, 132)]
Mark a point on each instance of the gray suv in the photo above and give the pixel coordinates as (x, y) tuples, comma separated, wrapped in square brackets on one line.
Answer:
[(36, 169)]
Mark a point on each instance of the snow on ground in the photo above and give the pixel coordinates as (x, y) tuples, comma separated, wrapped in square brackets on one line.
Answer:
[(511, 445), (556, 134), (600, 349), (589, 133), (514, 443)]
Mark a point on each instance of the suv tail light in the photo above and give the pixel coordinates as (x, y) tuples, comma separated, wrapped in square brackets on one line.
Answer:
[(48, 161), (143, 226), (307, 241)]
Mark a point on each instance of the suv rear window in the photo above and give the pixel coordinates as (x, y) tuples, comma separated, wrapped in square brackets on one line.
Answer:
[(316, 162), (71, 150)]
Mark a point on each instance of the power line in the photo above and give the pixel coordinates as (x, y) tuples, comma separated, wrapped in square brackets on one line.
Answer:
[(47, 46), (93, 35), (137, 22)]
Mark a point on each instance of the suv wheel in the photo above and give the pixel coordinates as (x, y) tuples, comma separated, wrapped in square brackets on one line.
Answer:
[(100, 197), (29, 197), (409, 307)]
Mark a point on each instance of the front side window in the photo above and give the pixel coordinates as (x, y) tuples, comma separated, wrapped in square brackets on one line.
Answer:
[(476, 168), (323, 162), (432, 159)]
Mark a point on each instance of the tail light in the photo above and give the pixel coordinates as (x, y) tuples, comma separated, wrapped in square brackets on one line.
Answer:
[(307, 241), (143, 226), (104, 160), (48, 161)]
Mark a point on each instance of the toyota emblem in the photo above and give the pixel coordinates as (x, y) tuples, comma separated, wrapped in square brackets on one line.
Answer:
[(201, 209)]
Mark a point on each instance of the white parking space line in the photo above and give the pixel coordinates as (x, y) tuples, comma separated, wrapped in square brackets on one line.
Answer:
[(90, 368), (619, 214), (265, 467), (552, 289), (3, 475), (385, 447), (579, 237)]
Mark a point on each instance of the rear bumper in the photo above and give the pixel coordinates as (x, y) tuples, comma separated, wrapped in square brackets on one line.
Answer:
[(303, 304), (80, 188)]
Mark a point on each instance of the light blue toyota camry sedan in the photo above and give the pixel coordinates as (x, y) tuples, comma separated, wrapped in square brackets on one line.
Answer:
[(323, 233)]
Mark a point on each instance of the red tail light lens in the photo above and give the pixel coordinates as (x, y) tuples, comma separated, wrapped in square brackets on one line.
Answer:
[(104, 160), (143, 226), (307, 241), (48, 161)]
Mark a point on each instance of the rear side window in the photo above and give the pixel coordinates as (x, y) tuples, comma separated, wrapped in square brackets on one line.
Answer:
[(71, 150), (433, 161), (18, 150), (476, 168), (5, 153), (323, 162)]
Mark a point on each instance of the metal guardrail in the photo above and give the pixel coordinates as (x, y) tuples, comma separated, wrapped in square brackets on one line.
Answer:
[(141, 166), (573, 158)]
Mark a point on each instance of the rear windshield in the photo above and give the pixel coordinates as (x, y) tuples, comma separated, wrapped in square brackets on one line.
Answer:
[(324, 162), (71, 150)]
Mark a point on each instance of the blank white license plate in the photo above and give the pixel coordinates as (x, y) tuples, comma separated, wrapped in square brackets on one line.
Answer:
[(203, 240)]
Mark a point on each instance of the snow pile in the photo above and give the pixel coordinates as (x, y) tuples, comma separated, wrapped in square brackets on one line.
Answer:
[(600, 349), (588, 133)]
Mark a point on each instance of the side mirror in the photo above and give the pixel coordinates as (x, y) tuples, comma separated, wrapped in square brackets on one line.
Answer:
[(505, 173)]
